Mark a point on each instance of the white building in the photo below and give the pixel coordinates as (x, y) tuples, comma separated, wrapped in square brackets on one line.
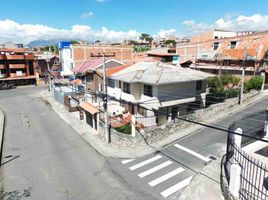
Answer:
[(159, 91), (66, 58)]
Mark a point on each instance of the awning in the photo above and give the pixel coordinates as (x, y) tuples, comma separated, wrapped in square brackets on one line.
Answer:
[(89, 108)]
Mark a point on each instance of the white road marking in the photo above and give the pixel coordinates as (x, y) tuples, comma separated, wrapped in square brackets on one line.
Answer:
[(166, 177), (192, 152), (176, 187), (126, 161), (145, 162), (154, 169)]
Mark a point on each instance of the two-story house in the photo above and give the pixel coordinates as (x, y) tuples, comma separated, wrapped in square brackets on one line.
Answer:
[(158, 92)]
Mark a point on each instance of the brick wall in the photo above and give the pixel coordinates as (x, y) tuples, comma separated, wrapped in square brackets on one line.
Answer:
[(82, 53), (256, 44)]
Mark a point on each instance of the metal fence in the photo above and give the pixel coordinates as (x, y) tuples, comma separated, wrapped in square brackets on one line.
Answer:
[(254, 173)]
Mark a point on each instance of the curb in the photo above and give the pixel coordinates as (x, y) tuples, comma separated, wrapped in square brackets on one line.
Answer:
[(2, 127), (108, 150)]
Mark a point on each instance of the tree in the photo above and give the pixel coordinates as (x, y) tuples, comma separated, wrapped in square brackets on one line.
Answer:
[(172, 42), (146, 37), (74, 42), (97, 42)]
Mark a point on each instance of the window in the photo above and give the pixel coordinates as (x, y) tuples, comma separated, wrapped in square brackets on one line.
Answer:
[(89, 78), (148, 90), (233, 45), (198, 85), (126, 88), (111, 83), (215, 45), (119, 84)]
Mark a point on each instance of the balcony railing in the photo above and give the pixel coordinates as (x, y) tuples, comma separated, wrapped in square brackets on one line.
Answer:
[(29, 57), (17, 66), (15, 57), (15, 75)]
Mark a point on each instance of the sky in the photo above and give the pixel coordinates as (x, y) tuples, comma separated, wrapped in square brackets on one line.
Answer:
[(115, 20)]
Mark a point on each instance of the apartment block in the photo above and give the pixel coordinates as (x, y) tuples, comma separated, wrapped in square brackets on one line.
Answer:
[(224, 44), (17, 65)]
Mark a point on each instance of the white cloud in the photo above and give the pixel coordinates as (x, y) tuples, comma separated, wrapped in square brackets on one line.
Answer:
[(87, 14), (24, 33), (163, 33), (233, 23)]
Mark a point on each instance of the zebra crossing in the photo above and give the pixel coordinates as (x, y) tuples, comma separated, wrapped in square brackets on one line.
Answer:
[(161, 174)]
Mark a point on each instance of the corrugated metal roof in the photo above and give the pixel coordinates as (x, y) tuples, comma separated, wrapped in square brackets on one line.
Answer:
[(156, 73)]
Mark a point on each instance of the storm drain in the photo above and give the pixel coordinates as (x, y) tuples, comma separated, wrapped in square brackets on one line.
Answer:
[(212, 157)]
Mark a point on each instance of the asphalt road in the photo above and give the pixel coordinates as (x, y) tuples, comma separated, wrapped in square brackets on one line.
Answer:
[(190, 154), (44, 159)]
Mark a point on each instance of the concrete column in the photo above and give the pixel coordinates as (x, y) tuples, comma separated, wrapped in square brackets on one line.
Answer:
[(235, 169), (238, 138), (234, 185), (266, 129), (133, 127), (98, 122), (263, 83)]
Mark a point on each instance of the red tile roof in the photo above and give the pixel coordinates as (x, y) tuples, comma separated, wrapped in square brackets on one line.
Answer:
[(111, 71), (89, 65), (239, 53)]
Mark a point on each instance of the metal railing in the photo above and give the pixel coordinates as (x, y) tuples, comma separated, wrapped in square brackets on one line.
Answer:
[(253, 174)]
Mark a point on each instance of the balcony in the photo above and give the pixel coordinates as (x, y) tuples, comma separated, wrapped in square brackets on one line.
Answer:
[(56, 67), (55, 73), (2, 66), (15, 57), (17, 66), (15, 75), (29, 57)]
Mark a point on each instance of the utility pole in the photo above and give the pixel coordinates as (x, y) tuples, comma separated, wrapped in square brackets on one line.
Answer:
[(243, 78), (49, 75), (105, 96)]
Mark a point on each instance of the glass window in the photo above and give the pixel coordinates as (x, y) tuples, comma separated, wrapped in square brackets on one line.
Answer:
[(148, 90), (233, 45), (215, 45), (126, 88), (198, 85), (111, 83), (89, 78)]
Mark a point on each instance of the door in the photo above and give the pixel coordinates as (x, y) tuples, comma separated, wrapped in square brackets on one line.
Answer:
[(89, 119)]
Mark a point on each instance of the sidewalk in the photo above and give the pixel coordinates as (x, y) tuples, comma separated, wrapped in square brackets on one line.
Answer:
[(110, 150), (206, 184)]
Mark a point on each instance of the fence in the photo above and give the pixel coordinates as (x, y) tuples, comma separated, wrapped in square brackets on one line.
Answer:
[(252, 173)]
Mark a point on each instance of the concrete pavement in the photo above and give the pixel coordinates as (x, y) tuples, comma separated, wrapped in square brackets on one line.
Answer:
[(45, 159)]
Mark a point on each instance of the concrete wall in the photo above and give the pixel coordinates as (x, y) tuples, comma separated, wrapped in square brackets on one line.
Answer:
[(179, 91), (158, 133), (67, 61)]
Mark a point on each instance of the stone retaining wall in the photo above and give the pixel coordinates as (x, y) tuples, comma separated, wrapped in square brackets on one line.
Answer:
[(155, 134)]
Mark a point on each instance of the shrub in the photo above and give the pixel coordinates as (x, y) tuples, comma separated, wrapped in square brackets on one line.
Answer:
[(126, 129), (232, 93), (254, 83)]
